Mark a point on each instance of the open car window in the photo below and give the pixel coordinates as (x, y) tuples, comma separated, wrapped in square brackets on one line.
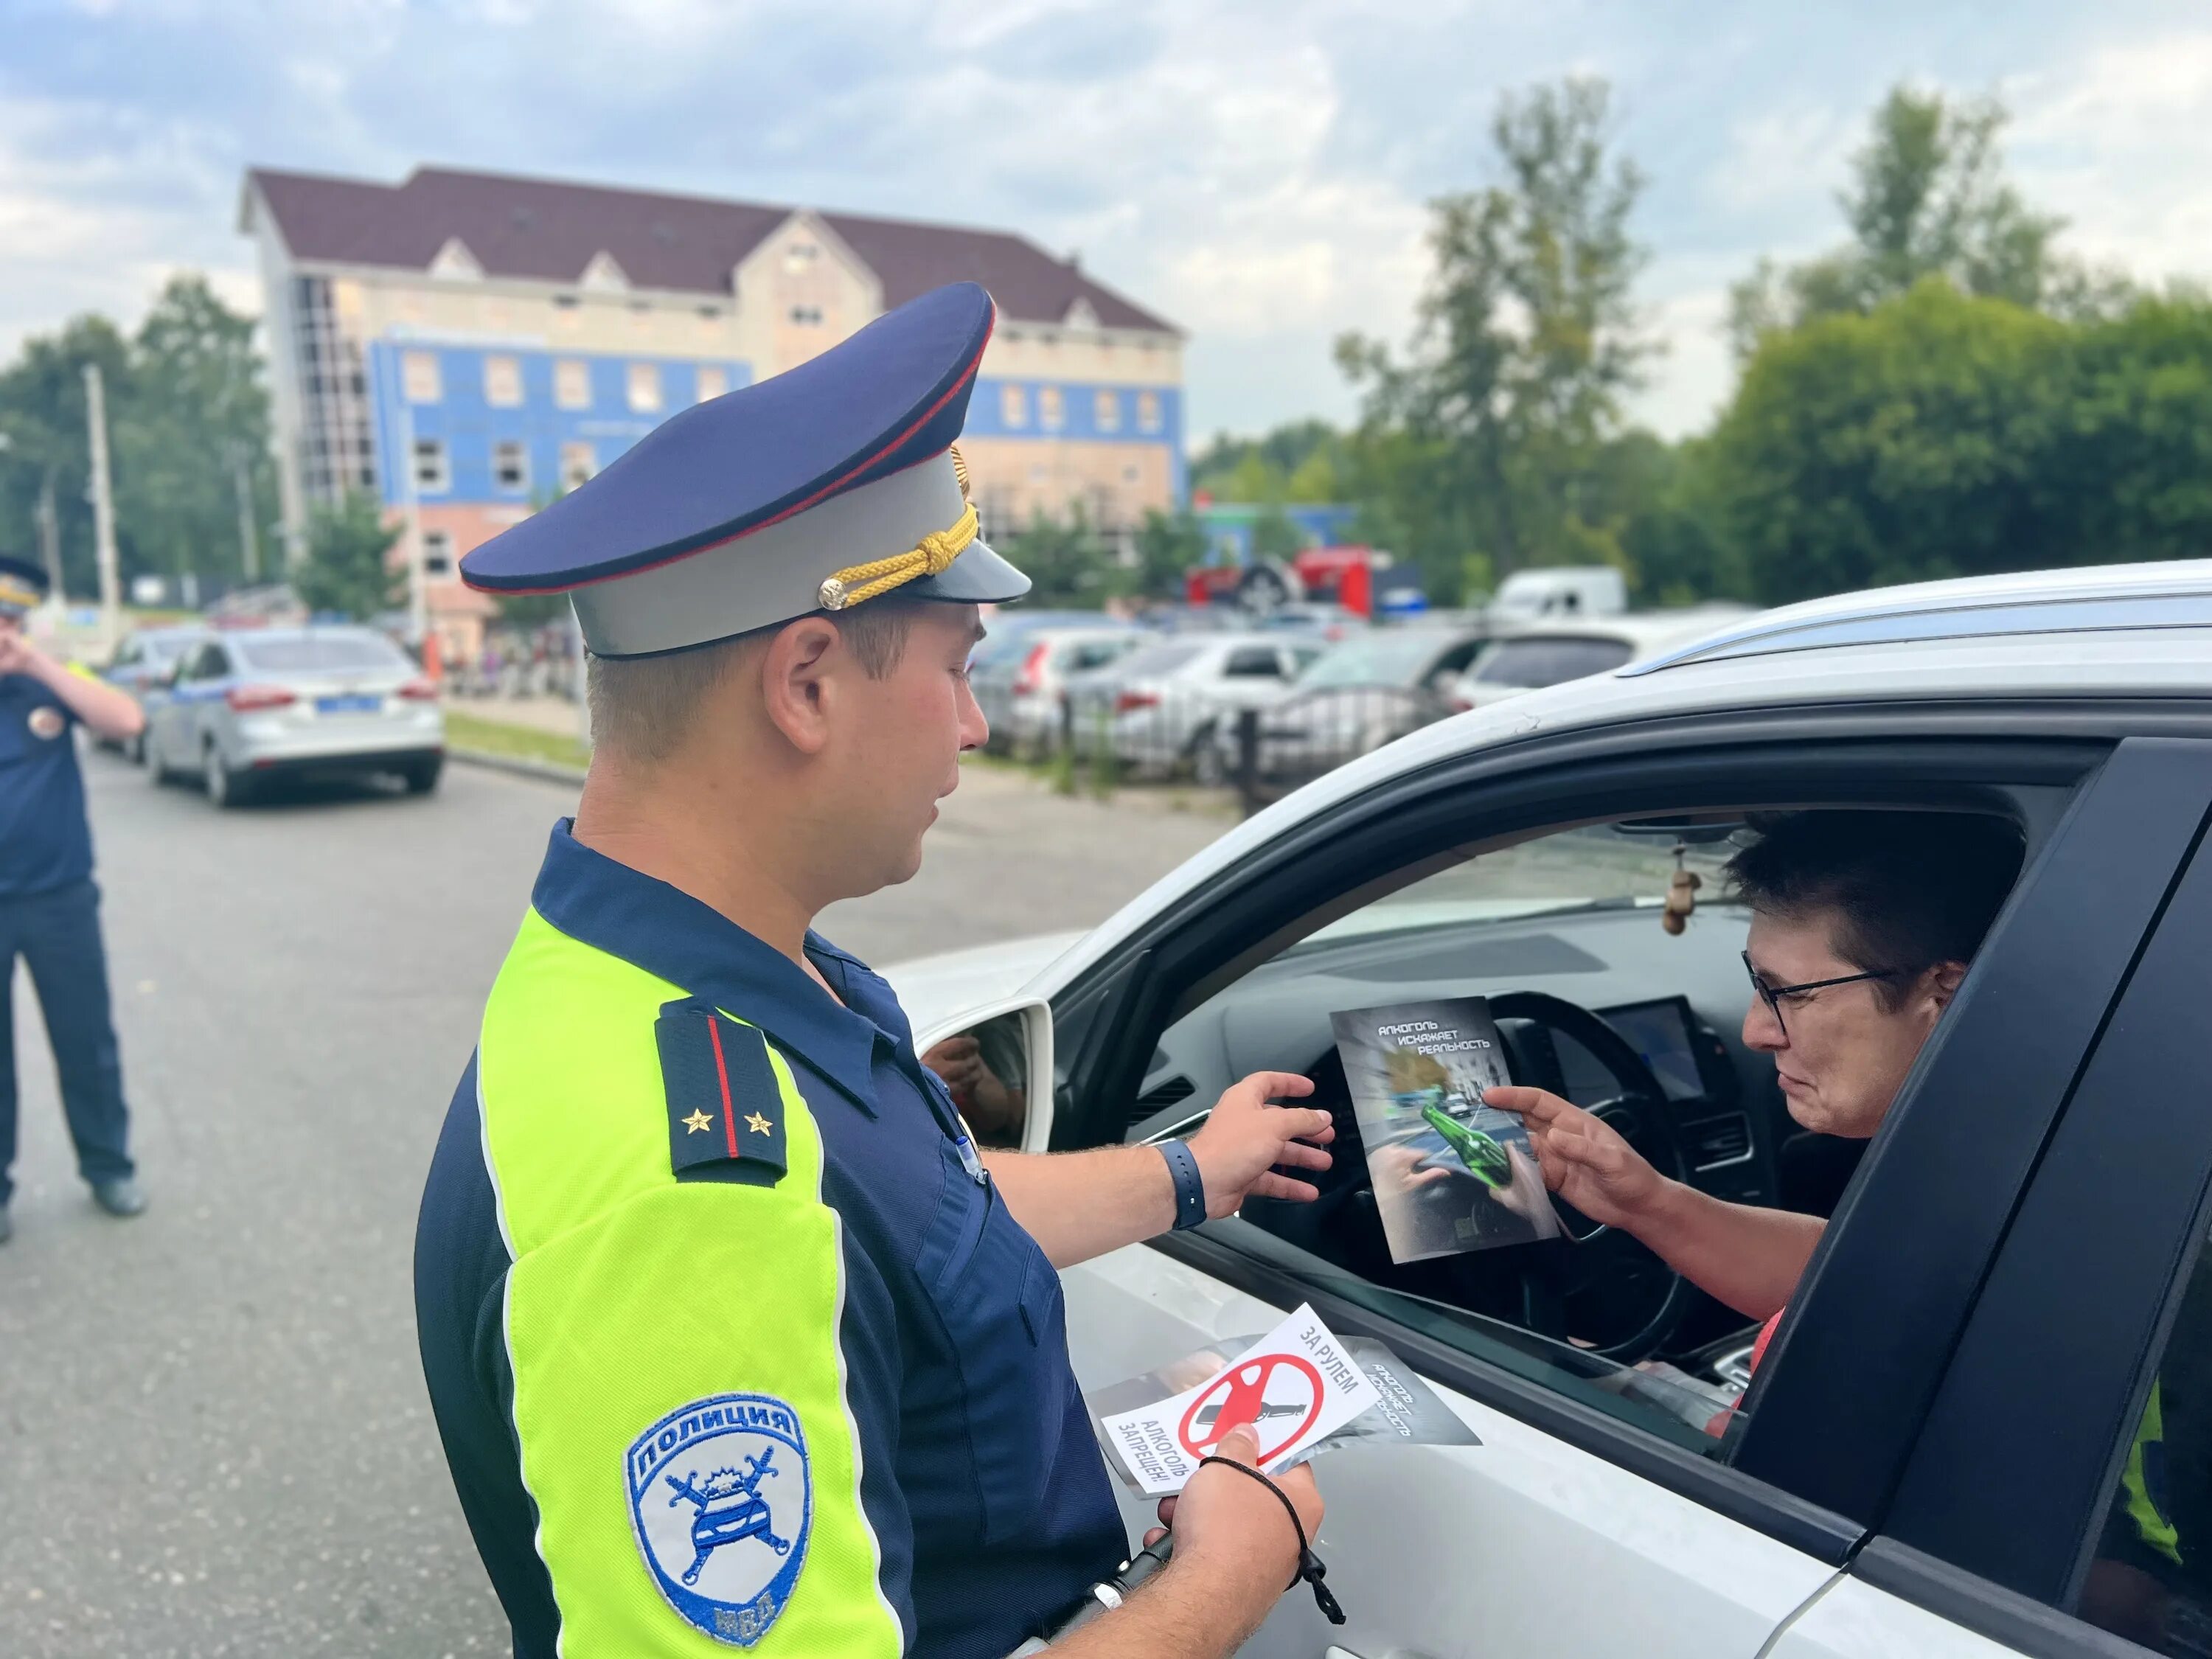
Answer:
[(1576, 915)]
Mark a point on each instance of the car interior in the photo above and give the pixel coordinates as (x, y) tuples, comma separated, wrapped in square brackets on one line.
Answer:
[(1598, 997)]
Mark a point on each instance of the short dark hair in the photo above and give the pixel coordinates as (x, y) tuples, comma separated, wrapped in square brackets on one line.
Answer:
[(643, 707), (1906, 890)]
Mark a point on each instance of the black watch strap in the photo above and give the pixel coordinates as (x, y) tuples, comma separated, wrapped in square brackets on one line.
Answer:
[(1189, 1186)]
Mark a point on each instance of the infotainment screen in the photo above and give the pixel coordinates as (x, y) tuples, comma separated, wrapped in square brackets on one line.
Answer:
[(1660, 1032)]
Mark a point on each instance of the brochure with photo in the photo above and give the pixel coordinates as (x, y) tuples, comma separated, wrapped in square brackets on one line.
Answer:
[(1450, 1174)]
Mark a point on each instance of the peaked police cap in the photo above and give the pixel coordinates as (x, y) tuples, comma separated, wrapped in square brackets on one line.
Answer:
[(823, 488), (22, 585)]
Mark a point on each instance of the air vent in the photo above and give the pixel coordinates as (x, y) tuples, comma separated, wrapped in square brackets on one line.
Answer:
[(1160, 1097), (1717, 1142), (1165, 1095)]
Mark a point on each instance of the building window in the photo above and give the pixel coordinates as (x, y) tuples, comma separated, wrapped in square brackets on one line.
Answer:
[(1130, 475), (578, 463), (799, 255), (510, 464), (645, 387), (503, 382), (1013, 406), (437, 553), (712, 381), (434, 472), (572, 383), (418, 375), (1106, 410), (1148, 412), (806, 316), (1052, 411)]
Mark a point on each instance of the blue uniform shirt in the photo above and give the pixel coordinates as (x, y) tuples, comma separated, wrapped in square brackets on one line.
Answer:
[(982, 1480), (45, 840)]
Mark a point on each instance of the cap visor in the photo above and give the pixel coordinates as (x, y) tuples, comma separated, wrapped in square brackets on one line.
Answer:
[(978, 576)]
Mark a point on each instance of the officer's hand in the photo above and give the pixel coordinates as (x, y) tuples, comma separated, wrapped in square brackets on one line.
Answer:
[(17, 654), (1584, 1160), (1246, 1137), (1231, 1524)]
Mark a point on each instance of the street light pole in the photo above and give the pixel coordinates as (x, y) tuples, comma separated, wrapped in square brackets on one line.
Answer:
[(249, 544), (103, 507)]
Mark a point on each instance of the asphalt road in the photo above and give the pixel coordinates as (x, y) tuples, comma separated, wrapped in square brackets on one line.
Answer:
[(213, 1438)]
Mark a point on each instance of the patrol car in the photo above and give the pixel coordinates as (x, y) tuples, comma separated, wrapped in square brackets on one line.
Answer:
[(1930, 1460)]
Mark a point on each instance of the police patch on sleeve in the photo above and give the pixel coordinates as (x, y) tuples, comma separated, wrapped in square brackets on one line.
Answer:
[(721, 1499)]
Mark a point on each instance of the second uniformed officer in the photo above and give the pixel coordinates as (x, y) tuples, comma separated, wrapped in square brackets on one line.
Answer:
[(731, 1337), (49, 903)]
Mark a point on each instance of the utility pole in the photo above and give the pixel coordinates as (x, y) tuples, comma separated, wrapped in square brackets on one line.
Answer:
[(50, 537), (103, 507), (249, 545)]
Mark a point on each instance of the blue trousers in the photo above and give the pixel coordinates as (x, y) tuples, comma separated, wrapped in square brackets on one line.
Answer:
[(57, 936)]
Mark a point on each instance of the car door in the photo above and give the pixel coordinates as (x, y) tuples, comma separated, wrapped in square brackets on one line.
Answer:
[(2058, 1497), (1585, 1523)]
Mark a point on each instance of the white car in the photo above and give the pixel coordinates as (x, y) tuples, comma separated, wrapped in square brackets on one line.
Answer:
[(1544, 655), (1952, 1427), (1161, 708), (1021, 690), (246, 707)]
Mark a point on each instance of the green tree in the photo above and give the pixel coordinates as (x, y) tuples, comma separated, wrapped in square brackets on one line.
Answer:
[(1927, 197), (348, 570), (1067, 562), (1168, 545), (195, 416), (1301, 461), (186, 411), (42, 411), (1488, 435), (1903, 445)]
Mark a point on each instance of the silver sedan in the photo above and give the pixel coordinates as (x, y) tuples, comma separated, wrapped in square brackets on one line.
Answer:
[(245, 707)]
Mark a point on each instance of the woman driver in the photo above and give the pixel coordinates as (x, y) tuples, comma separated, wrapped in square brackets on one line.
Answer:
[(1861, 926)]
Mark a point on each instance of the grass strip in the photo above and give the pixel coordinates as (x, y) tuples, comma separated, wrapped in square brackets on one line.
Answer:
[(465, 731)]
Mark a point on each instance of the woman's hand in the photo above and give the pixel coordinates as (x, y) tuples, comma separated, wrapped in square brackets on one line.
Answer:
[(1584, 1162)]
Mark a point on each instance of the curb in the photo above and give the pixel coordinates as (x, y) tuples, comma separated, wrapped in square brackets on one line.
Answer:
[(518, 766)]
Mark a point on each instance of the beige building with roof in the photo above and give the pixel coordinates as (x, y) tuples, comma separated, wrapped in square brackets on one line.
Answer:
[(465, 346)]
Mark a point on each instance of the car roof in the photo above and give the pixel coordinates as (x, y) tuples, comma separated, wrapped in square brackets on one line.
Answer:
[(2116, 631)]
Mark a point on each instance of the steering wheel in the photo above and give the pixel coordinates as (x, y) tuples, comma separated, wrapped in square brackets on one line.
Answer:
[(1561, 1280)]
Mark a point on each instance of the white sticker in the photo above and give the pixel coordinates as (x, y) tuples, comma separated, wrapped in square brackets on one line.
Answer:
[(1292, 1386)]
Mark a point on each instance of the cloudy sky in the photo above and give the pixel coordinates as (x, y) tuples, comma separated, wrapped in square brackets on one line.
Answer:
[(1255, 169)]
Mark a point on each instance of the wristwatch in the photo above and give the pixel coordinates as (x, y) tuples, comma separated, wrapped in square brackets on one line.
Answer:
[(1189, 1186)]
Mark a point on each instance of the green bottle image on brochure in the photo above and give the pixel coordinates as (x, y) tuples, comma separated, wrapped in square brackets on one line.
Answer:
[(1485, 1159)]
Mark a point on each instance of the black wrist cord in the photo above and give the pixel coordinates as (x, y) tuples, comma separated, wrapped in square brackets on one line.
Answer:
[(1310, 1570)]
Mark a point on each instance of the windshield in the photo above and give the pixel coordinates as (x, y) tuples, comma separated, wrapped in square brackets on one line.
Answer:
[(1380, 658), (320, 653), (1534, 663), (1597, 866)]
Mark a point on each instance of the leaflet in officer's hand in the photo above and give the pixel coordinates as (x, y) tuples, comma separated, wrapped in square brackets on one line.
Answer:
[(1293, 1387), (1450, 1174)]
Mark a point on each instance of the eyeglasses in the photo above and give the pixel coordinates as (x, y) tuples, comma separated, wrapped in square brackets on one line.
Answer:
[(1771, 995)]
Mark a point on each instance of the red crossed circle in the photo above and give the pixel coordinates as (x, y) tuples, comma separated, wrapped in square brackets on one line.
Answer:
[(1242, 1391)]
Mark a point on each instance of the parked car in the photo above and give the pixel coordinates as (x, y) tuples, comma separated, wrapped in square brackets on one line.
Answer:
[(1944, 1451), (1331, 622), (1160, 709), (142, 664), (242, 708), (1367, 691), (1544, 655), (1020, 688)]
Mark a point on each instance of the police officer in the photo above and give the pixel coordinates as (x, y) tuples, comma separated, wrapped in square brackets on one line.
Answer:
[(49, 906), (733, 1337)]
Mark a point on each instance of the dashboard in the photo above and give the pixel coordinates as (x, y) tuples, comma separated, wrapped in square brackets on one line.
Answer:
[(1678, 1000)]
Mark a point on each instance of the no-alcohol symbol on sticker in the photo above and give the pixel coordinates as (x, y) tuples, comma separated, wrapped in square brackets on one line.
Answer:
[(1278, 1395)]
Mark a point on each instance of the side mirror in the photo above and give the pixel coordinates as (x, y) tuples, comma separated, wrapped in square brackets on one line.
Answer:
[(997, 1060)]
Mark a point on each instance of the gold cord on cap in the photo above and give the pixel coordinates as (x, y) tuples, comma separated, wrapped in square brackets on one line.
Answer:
[(933, 556)]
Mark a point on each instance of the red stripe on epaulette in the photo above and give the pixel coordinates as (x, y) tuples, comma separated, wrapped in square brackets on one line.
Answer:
[(722, 1076)]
